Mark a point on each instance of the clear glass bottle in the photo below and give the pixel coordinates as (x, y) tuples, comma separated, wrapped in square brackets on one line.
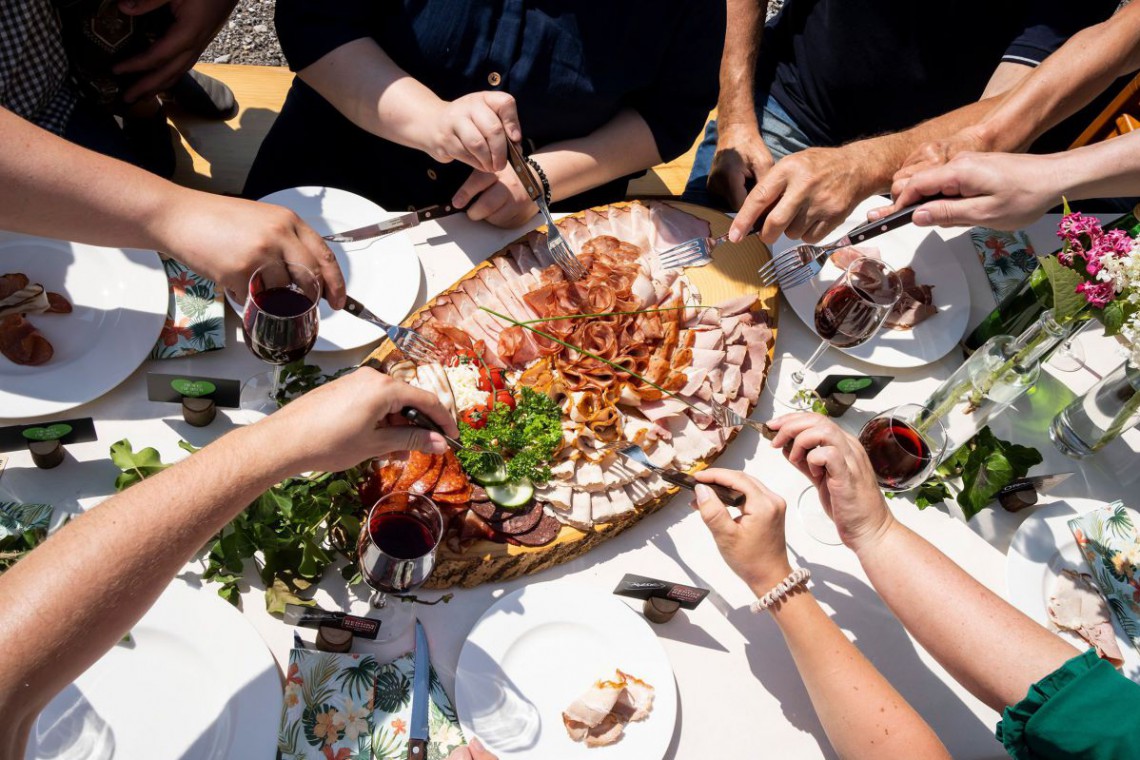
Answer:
[(1099, 416), (994, 377)]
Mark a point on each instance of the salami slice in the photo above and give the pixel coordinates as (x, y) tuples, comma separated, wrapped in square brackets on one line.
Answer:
[(509, 521), (426, 482), (418, 464), (478, 494), (453, 497), (22, 343), (10, 283), (452, 478), (542, 534), (59, 304)]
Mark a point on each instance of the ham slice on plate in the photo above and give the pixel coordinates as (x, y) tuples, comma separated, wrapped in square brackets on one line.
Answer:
[(1076, 605), (599, 715)]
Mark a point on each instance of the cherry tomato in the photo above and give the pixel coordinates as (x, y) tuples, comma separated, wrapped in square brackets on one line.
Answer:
[(475, 417), (463, 355), (491, 379), (505, 397)]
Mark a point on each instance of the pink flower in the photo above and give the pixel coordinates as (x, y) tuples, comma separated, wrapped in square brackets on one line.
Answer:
[(1098, 294), (1076, 225)]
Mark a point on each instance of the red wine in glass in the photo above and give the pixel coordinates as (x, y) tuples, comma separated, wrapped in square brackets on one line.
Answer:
[(280, 323), (846, 316), (899, 454), (396, 551)]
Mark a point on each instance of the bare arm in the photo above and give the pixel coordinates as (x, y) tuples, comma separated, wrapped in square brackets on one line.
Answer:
[(863, 715), (620, 147), (741, 155), (131, 546), (1009, 191), (965, 626), (54, 188), (362, 82)]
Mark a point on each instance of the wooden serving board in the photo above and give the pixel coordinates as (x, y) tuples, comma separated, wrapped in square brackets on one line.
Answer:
[(732, 273)]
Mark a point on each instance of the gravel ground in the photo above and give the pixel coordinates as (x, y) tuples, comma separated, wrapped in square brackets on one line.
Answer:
[(249, 36)]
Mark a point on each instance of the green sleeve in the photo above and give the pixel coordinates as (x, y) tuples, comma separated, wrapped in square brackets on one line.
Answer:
[(1084, 709)]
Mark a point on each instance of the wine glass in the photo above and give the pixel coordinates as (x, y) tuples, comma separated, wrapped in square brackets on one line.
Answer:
[(280, 326), (904, 445), (848, 314), (397, 553)]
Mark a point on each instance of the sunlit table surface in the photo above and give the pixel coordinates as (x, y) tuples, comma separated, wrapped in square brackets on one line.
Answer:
[(740, 695)]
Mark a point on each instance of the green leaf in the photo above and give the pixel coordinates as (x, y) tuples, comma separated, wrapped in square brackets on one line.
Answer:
[(853, 384), (193, 388), (50, 433), (135, 465), (931, 493), (1067, 302), (279, 594), (1112, 316)]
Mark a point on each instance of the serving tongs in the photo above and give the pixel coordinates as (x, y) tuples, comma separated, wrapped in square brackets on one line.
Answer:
[(729, 496), (560, 250), (421, 420)]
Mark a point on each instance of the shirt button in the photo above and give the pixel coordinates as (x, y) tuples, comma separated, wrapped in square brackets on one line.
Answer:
[(494, 79), (432, 175)]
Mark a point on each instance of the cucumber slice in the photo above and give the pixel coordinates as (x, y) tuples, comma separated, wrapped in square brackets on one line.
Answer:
[(491, 477), (511, 495)]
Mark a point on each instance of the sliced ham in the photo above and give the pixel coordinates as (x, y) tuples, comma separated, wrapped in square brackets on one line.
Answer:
[(704, 358), (735, 306), (712, 340), (730, 386), (1076, 605)]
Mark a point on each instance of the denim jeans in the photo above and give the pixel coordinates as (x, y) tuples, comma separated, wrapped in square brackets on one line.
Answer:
[(780, 134)]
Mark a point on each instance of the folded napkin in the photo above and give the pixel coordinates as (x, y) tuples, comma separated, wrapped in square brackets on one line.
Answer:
[(1007, 257), (350, 707), (195, 316), (1110, 544), (17, 519)]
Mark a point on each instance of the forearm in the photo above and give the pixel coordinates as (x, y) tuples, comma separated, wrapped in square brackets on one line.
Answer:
[(1109, 169), (989, 647), (736, 104), (622, 146), (1066, 81), (75, 596), (861, 712), (54, 188), (362, 82)]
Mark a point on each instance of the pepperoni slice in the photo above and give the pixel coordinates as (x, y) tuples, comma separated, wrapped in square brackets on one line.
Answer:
[(21, 343), (417, 466), (452, 479), (426, 482), (10, 283), (58, 304)]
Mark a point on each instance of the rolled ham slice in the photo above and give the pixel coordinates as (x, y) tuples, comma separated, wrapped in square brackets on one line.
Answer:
[(599, 715), (1077, 606)]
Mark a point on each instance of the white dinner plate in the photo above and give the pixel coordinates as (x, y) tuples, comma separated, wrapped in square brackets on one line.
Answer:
[(382, 273), (933, 263), (1042, 547), (198, 683), (119, 297), (536, 650)]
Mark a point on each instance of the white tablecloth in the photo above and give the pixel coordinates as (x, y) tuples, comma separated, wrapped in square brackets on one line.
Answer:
[(740, 695)]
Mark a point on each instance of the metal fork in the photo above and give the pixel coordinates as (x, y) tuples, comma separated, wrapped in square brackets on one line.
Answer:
[(692, 253), (725, 417), (415, 346), (803, 262), (560, 250), (729, 496)]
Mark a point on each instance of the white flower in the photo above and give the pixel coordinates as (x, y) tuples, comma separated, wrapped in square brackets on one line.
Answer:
[(355, 720), (447, 735)]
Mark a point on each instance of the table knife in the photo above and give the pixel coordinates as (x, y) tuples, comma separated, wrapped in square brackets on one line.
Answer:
[(421, 694), (1039, 483), (395, 224)]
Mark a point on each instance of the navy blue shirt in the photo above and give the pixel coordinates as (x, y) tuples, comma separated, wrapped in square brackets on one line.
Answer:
[(572, 66), (846, 69)]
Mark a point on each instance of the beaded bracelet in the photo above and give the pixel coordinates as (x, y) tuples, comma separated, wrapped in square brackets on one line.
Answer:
[(797, 577), (542, 178)]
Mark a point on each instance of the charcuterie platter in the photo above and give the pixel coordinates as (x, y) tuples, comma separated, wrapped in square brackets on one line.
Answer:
[(558, 372)]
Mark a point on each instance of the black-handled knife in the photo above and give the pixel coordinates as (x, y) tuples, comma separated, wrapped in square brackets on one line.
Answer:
[(395, 224), (900, 218)]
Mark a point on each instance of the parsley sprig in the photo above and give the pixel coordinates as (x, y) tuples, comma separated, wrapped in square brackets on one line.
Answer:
[(527, 437)]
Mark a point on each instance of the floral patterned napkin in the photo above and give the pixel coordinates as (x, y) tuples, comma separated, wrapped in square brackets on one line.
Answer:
[(1007, 257), (195, 317), (1110, 544), (350, 707), (17, 519)]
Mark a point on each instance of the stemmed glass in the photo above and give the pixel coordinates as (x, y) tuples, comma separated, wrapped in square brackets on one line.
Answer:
[(847, 315), (904, 445), (280, 325), (397, 553)]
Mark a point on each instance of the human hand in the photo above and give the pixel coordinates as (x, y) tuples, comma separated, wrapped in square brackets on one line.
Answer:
[(837, 465), (354, 418), (752, 544), (499, 198), (741, 156), (473, 751), (1004, 191), (196, 23), (805, 195), (474, 129), (228, 239), (972, 139)]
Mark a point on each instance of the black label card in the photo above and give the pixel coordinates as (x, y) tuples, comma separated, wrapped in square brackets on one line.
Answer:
[(15, 437), (172, 388), (640, 587), (863, 386)]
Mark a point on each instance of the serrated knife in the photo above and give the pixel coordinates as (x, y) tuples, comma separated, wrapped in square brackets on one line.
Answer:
[(395, 224), (421, 694), (1039, 483)]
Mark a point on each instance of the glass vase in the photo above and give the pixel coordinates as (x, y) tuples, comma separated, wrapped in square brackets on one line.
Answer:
[(994, 377), (1101, 415)]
